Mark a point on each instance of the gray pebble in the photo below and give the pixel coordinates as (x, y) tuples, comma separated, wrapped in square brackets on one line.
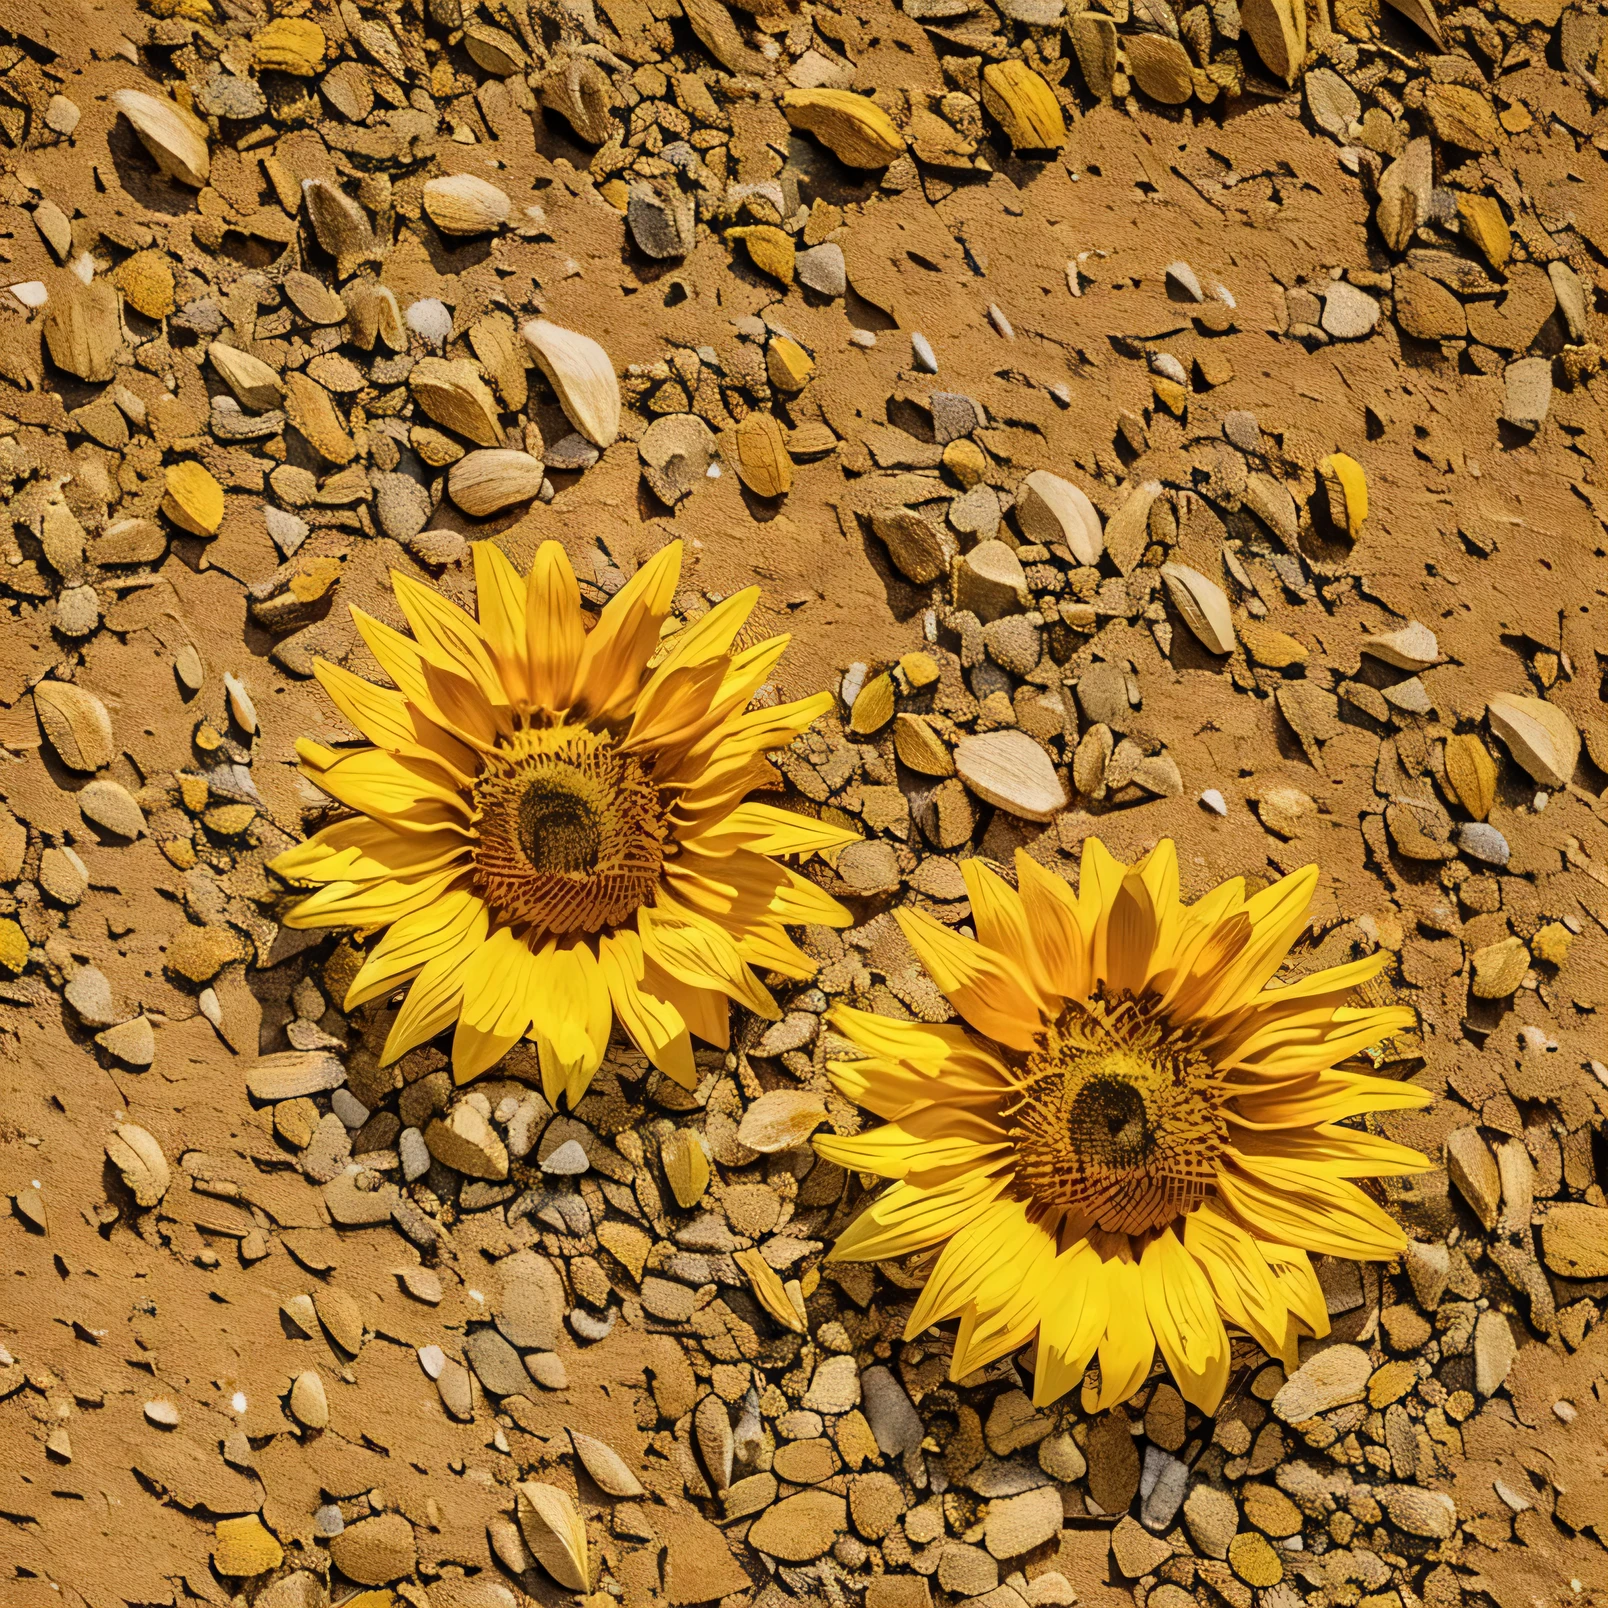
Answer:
[(349, 1108), (1349, 313), (895, 1423), (568, 1161), (89, 993), (221, 94), (430, 320), (288, 532), (403, 506), (571, 452), (1242, 429), (822, 270), (1169, 368), (922, 352), (953, 416), (1162, 1483), (414, 1154), (327, 1521), (495, 1362), (1479, 840), (588, 1326)]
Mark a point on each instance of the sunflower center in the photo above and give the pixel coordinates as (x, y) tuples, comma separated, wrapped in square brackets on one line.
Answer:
[(1118, 1118), (571, 831)]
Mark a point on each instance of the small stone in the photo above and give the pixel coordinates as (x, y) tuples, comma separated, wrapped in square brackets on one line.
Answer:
[(1499, 968), (496, 1364), (328, 1521), (894, 1421), (1479, 840), (402, 505), (375, 1551), (1529, 392), (1252, 1558), (989, 581), (200, 953), (1349, 314), (1333, 1377), (1134, 1551), (1494, 1352), (822, 269), (413, 1153), (1061, 1458), (1212, 1519), (1426, 310), (430, 320), (567, 1161), (922, 353), (1420, 1512), (162, 1413), (835, 1386), (800, 1527), (547, 1369), (133, 1042), (245, 1547), (90, 995), (466, 1142), (1011, 771), (966, 1571), (308, 1403)]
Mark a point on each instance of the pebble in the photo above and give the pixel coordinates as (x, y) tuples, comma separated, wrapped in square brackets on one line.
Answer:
[(1528, 385), (567, 1161), (922, 353), (90, 995), (801, 1527), (496, 1364), (1331, 1378), (1349, 314), (1241, 428), (1479, 840), (1495, 1352), (822, 270), (1183, 276), (327, 1521), (375, 1551), (1214, 801), (162, 1413), (894, 1420), (430, 320), (1420, 1512), (1212, 1519), (132, 1042), (413, 1153), (402, 504)]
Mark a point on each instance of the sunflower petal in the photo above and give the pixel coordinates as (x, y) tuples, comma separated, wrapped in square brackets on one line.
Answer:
[(500, 598), (1294, 1204), (618, 647), (904, 1218), (1128, 1345), (555, 634), (456, 922), (653, 1024), (1072, 1322), (1183, 1313), (498, 989), (983, 986)]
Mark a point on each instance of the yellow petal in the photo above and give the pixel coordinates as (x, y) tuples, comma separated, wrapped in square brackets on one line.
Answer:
[(892, 1151), (433, 1000), (1278, 916), (556, 637), (1336, 1152), (1247, 1293), (367, 905), (1327, 1096), (765, 829), (702, 955), (999, 918), (1299, 1286), (1073, 1320), (497, 1004), (364, 850), (618, 647), (447, 637), (1183, 1314), (1128, 1344), (904, 1218), (1059, 938), (983, 986), (655, 1026), (407, 793), (572, 1017), (1294, 1205), (456, 921), (500, 601), (1099, 878)]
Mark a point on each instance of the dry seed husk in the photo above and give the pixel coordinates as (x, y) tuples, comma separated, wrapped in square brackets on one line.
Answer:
[(920, 748), (309, 407), (1472, 774), (308, 1401), (482, 483), (686, 1167), (110, 805), (176, 139), (554, 1531), (373, 314), (1538, 734), (1413, 647), (1050, 509), (761, 453), (1203, 605), (1346, 487), (84, 330), (1024, 105), (313, 299), (462, 204), (194, 500), (580, 92), (496, 344), (1089, 763), (769, 1290), (781, 1119), (342, 226), (499, 53), (582, 375), (1276, 33), (454, 395), (609, 1471), (76, 723), (289, 45), (852, 127), (138, 1157), (254, 384), (873, 707), (1009, 770)]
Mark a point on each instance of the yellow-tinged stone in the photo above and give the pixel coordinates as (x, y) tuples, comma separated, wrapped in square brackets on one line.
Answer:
[(289, 45), (13, 945), (193, 793), (200, 953), (873, 708), (229, 820), (310, 583), (1269, 648), (920, 748), (1347, 489), (179, 852), (1499, 968), (194, 500), (1515, 118), (762, 460), (245, 1547), (617, 193), (1170, 394), (1472, 774), (1551, 944), (964, 459), (1251, 1556), (1484, 224), (852, 127), (382, 1598), (1391, 1382), (1024, 105), (790, 367), (207, 738), (920, 669), (146, 281), (769, 249)]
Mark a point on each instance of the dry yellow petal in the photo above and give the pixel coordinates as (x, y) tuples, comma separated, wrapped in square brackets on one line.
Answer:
[(873, 708), (1025, 106), (194, 500), (763, 464), (686, 1167), (1472, 774), (1346, 487), (289, 45), (769, 1290), (555, 1532), (920, 748), (852, 127)]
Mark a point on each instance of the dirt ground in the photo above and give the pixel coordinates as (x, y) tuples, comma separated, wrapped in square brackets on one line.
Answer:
[(269, 1363)]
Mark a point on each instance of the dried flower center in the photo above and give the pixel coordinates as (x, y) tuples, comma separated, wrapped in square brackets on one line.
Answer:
[(571, 831), (1118, 1118)]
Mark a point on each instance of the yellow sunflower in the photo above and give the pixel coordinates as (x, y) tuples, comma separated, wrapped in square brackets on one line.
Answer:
[(551, 823), (1137, 1137)]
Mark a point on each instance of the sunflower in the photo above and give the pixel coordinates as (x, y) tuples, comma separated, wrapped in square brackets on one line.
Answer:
[(551, 823), (1138, 1136)]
